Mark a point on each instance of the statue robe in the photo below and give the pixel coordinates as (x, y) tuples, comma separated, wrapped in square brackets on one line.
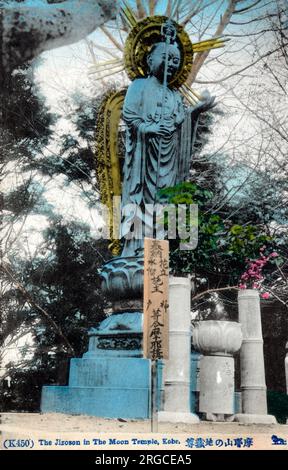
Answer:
[(153, 162)]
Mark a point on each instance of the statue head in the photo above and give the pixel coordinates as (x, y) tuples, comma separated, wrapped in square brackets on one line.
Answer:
[(156, 60)]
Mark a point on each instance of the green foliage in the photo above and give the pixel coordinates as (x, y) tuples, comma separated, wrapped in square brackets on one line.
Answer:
[(245, 241), (75, 162), (23, 113), (277, 403), (24, 393), (75, 159), (26, 198), (13, 312), (25, 129), (66, 283), (223, 244), (265, 199)]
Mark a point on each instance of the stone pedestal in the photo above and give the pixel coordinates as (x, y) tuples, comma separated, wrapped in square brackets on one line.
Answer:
[(217, 385), (111, 387), (286, 367), (253, 385), (217, 341), (112, 379), (177, 368)]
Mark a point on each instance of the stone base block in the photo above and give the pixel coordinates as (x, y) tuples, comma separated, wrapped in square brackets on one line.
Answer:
[(106, 387), (96, 401), (254, 399), (177, 397), (254, 419), (110, 372), (177, 417), (219, 418)]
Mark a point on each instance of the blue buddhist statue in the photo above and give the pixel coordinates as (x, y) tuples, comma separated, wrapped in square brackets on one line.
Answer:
[(153, 114), (160, 133)]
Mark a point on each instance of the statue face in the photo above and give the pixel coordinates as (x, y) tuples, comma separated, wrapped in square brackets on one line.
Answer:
[(156, 61)]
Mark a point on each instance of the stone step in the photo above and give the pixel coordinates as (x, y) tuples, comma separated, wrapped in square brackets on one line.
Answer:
[(97, 401)]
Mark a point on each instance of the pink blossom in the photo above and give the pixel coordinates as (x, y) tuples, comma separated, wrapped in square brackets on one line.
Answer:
[(242, 286), (260, 262), (265, 295), (253, 271)]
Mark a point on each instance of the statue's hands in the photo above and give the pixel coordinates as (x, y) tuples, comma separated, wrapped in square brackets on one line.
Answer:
[(157, 128), (207, 102)]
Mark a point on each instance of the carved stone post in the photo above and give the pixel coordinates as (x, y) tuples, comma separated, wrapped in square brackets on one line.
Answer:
[(217, 340), (177, 368), (253, 385)]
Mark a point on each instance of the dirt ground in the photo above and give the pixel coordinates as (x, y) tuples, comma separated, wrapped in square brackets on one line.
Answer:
[(119, 433), (54, 422)]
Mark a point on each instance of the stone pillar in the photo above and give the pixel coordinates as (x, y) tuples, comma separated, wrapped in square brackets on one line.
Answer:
[(286, 371), (177, 368), (195, 380), (218, 340), (286, 367), (253, 385)]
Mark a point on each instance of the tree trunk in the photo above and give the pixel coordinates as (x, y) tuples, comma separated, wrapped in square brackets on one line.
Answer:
[(28, 31)]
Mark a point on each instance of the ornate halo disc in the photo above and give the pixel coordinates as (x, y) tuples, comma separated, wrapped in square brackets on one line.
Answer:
[(139, 42)]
